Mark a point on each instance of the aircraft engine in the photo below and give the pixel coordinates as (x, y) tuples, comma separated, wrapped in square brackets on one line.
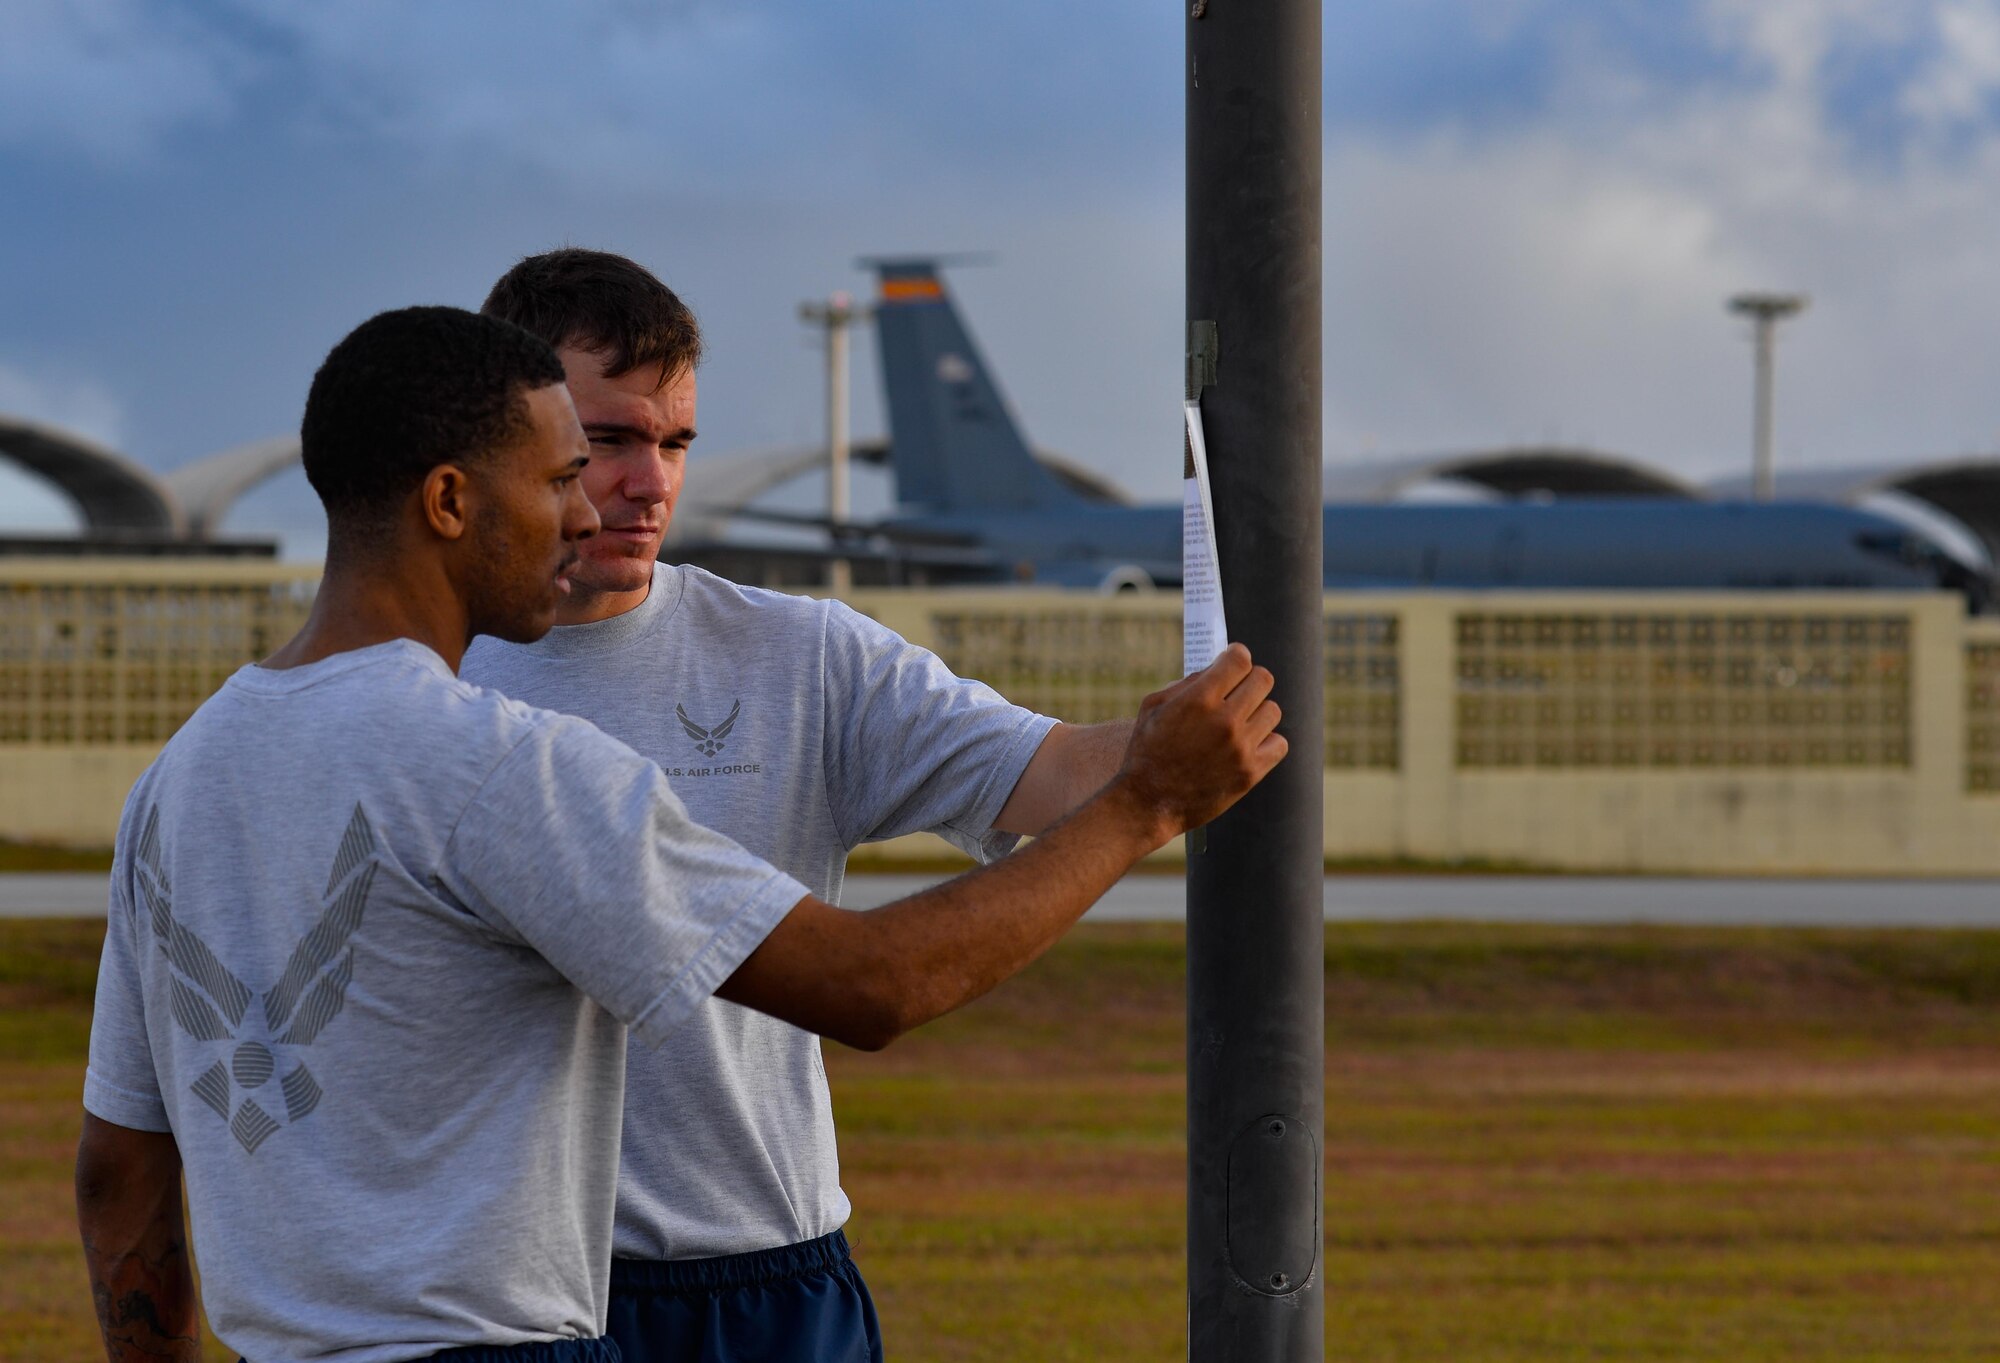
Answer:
[(1125, 579)]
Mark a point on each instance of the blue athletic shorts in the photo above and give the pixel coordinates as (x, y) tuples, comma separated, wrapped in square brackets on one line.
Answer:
[(554, 1351), (801, 1303)]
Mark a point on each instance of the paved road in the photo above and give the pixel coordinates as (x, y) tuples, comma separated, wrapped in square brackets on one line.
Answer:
[(1571, 899), (25, 894), (1555, 899)]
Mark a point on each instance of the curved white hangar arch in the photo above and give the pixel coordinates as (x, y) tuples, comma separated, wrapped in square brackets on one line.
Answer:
[(208, 487)]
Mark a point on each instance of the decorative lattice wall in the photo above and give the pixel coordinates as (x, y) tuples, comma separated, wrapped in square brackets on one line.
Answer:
[(125, 657), (1081, 666), (1982, 717), (1683, 690), (96, 663), (1089, 665), (1364, 682)]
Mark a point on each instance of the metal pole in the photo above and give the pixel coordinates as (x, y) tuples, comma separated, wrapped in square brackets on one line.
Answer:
[(836, 315), (1765, 310), (1762, 474), (840, 575), (1256, 941)]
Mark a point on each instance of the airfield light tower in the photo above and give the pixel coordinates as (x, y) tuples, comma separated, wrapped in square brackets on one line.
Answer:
[(1766, 310), (1256, 935), (835, 316)]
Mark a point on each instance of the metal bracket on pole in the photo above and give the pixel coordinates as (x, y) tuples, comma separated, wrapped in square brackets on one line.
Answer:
[(1204, 349)]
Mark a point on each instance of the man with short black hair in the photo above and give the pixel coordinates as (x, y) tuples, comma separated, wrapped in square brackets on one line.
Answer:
[(376, 935), (799, 728)]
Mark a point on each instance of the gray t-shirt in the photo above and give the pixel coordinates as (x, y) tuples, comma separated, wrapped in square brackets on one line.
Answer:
[(800, 729), (373, 934)]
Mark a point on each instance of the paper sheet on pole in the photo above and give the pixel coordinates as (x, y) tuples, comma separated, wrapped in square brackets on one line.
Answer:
[(1204, 633)]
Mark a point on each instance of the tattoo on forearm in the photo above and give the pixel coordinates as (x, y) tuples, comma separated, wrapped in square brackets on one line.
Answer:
[(145, 1302)]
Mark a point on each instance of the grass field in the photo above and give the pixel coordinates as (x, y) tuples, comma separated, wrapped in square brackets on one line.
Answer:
[(37, 856), (1542, 1144)]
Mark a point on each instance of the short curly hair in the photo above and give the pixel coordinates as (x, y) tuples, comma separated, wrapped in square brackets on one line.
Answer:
[(603, 303), (406, 391)]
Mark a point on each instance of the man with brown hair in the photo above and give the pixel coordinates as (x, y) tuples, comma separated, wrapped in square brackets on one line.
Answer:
[(799, 728)]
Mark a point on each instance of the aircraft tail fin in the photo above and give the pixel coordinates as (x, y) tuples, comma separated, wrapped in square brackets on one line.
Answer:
[(954, 443)]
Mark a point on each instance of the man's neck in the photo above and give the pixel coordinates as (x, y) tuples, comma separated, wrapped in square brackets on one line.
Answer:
[(358, 608), (582, 607)]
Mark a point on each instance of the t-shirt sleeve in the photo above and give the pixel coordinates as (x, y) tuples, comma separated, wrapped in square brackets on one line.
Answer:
[(912, 747), (576, 847), (121, 1085)]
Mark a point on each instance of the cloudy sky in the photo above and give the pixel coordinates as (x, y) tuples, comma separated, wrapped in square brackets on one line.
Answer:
[(1534, 209)]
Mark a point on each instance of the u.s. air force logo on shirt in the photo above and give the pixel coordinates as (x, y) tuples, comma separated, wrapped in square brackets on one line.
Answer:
[(709, 740), (261, 1031)]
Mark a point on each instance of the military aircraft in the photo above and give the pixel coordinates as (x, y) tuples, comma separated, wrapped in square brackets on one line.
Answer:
[(975, 504)]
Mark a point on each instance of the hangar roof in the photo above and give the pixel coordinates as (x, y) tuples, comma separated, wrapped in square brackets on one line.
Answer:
[(113, 493), (726, 484), (1512, 472), (191, 502), (1966, 488)]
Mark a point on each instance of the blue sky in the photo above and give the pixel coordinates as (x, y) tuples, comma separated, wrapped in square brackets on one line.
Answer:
[(1534, 209)]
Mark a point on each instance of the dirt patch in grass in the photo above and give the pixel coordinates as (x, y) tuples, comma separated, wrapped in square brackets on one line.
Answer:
[(49, 961), (40, 856)]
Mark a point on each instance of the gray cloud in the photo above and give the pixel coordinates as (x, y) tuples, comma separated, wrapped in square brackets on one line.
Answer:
[(76, 404), (109, 78), (1557, 283)]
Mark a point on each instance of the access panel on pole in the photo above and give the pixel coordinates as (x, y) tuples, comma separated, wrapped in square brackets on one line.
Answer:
[(1256, 1002)]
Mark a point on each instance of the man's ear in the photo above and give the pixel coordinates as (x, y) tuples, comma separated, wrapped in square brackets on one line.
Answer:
[(446, 501)]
